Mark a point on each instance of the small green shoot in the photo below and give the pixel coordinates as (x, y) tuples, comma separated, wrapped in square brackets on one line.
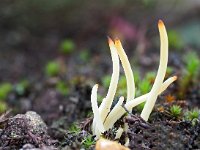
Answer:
[(75, 128), (192, 64), (21, 87), (193, 114), (175, 40), (67, 46), (169, 71), (175, 111), (191, 72), (5, 89), (62, 88), (121, 86), (84, 55), (140, 107), (88, 141), (144, 86), (52, 68), (3, 107), (106, 81)]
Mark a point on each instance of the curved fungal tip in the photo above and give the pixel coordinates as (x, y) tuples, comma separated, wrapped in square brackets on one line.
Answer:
[(175, 78), (96, 85), (110, 41), (117, 42), (160, 23)]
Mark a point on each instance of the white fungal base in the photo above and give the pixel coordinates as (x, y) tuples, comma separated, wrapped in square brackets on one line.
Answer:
[(104, 117)]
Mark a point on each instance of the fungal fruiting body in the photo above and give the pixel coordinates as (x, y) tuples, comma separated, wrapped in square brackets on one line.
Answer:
[(104, 117)]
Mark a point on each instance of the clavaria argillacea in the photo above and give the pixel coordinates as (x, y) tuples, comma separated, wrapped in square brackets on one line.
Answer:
[(104, 117)]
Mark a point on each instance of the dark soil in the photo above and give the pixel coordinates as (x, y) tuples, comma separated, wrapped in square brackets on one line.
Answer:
[(41, 117)]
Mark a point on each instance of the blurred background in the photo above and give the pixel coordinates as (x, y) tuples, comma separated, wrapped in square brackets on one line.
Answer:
[(57, 44)]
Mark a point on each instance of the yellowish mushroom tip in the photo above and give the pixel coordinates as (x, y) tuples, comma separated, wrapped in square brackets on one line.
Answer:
[(160, 24), (110, 41), (118, 43), (175, 78), (97, 85)]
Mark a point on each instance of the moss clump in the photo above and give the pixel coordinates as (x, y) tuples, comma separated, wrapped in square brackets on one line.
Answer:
[(5, 89), (21, 87), (191, 72), (62, 88), (3, 107), (52, 68), (67, 46), (175, 111), (88, 141), (192, 114)]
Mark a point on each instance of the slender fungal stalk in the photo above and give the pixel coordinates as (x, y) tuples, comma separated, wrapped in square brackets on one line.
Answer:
[(95, 110), (127, 70), (104, 117), (148, 107), (107, 102), (119, 110)]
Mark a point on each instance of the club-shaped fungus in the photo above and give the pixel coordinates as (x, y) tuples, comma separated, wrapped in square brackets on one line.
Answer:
[(104, 117)]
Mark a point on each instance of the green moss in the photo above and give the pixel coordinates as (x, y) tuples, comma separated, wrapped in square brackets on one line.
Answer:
[(67, 46), (74, 128), (192, 64), (5, 89), (169, 71), (175, 111), (21, 87), (140, 107), (137, 77), (88, 141), (122, 82), (3, 107), (175, 40), (191, 73), (62, 88), (106, 81), (144, 86), (84, 55), (121, 89), (193, 114), (52, 68)]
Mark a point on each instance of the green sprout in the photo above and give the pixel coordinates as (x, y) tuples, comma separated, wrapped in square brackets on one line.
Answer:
[(84, 55), (67, 46), (140, 107), (169, 71), (144, 86), (5, 89), (106, 81), (192, 64), (175, 39), (175, 110), (88, 141), (52, 68), (191, 115), (3, 107), (75, 128), (21, 87), (62, 88), (122, 86), (191, 73)]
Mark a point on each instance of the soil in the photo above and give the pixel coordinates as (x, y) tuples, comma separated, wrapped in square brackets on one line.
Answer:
[(41, 117)]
